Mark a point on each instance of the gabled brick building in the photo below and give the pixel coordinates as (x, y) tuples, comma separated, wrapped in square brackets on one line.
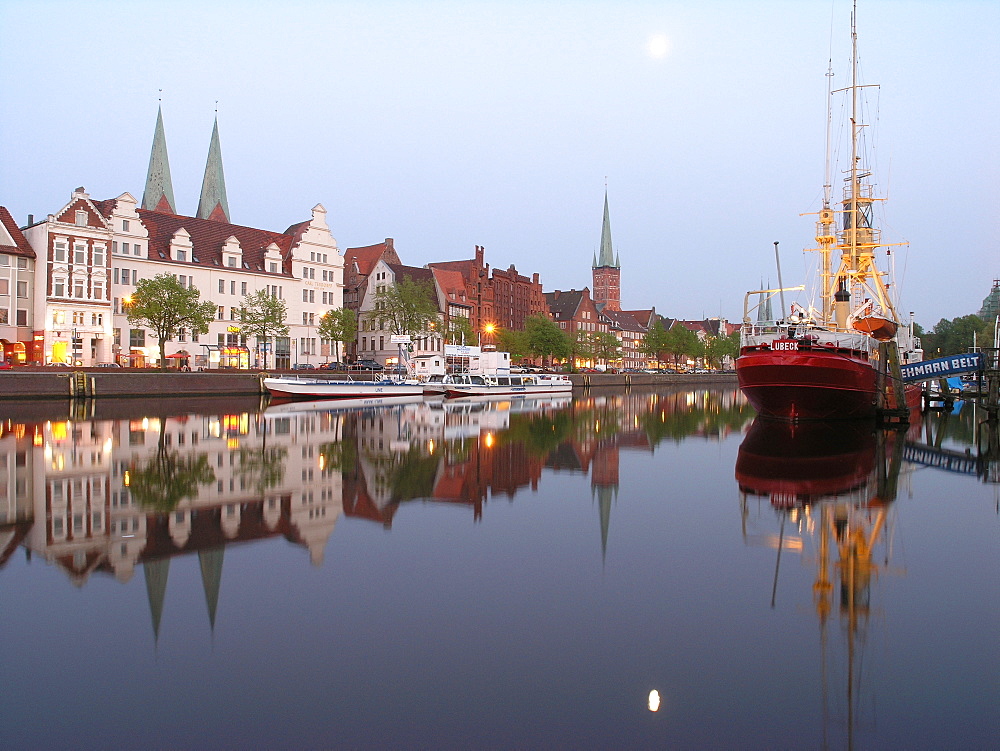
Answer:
[(503, 298)]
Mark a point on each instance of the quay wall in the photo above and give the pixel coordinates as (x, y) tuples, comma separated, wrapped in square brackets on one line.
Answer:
[(49, 383)]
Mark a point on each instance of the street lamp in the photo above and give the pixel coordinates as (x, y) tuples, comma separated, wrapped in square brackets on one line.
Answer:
[(488, 329)]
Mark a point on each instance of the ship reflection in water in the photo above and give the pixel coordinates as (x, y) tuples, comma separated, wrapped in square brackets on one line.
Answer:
[(552, 572), (832, 485)]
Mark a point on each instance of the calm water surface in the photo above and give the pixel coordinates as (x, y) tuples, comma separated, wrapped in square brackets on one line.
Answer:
[(641, 569)]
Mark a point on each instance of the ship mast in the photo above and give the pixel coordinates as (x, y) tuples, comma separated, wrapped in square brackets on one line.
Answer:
[(857, 278)]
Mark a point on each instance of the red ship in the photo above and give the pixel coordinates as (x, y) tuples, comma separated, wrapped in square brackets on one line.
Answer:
[(841, 360)]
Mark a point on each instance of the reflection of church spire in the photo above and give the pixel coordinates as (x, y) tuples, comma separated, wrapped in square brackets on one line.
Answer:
[(605, 495), (156, 588), (210, 562)]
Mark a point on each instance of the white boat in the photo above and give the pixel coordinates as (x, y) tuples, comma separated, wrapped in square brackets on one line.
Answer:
[(338, 405), (508, 385), (295, 387)]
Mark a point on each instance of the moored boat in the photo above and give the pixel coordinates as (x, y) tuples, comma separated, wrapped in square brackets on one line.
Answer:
[(840, 360), (514, 385), (295, 387)]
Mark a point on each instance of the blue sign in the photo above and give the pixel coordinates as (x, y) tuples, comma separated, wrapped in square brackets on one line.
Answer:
[(942, 367)]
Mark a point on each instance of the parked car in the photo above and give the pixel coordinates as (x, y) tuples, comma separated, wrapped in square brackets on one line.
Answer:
[(108, 365), (304, 366), (5, 365), (366, 365), (331, 366), (57, 364)]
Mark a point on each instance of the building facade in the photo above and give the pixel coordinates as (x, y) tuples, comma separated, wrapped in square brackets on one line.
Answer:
[(17, 281)]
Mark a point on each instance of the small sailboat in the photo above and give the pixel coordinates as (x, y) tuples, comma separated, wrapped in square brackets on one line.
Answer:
[(840, 359)]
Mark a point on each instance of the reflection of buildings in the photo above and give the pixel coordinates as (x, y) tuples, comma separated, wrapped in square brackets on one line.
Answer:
[(122, 484), (73, 492)]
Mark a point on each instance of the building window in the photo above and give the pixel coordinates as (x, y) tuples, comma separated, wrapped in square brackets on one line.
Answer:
[(222, 286), (22, 290), (182, 255), (80, 254), (136, 250), (59, 288), (125, 225), (137, 338), (243, 289), (78, 288), (22, 318), (4, 286), (98, 255), (59, 252), (81, 218), (125, 276), (98, 291), (231, 262), (232, 287), (273, 268), (222, 312)]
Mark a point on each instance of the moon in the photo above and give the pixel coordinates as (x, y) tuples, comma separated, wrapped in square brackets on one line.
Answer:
[(658, 46)]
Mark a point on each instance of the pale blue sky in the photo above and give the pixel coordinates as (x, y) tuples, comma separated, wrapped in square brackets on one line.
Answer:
[(447, 125)]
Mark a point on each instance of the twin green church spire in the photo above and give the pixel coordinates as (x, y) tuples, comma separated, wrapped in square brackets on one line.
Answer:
[(159, 193)]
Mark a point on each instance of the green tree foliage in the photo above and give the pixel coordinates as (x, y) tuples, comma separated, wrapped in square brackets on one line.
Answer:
[(262, 316), (340, 325), (515, 342), (956, 336), (654, 343), (407, 307), (165, 307), (606, 346), (680, 341), (719, 347), (545, 339), (460, 331)]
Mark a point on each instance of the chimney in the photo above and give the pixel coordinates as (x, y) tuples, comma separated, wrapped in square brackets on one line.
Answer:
[(31, 219)]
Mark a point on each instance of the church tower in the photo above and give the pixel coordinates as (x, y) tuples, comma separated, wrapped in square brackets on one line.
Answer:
[(159, 192), (606, 269), (213, 203)]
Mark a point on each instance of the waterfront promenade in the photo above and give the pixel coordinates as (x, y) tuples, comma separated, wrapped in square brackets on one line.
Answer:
[(60, 383)]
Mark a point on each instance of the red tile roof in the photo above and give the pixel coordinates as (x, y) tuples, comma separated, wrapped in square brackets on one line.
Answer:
[(20, 246), (208, 236)]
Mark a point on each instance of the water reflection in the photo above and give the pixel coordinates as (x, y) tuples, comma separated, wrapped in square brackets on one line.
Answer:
[(99, 488)]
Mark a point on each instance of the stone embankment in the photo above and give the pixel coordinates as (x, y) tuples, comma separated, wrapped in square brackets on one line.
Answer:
[(61, 383)]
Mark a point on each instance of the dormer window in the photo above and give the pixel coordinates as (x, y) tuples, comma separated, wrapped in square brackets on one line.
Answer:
[(182, 255), (231, 262), (81, 218)]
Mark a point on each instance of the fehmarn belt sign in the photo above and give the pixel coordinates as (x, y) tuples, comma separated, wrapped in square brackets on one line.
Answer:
[(942, 367)]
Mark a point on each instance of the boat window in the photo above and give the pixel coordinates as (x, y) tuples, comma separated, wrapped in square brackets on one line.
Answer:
[(477, 380)]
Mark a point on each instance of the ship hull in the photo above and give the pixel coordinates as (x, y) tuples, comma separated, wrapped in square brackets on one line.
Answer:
[(807, 385)]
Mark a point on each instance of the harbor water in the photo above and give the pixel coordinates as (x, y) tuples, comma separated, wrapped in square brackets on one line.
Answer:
[(647, 568)]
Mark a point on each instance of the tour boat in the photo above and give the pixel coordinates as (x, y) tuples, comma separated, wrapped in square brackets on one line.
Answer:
[(514, 385), (842, 359), (295, 387)]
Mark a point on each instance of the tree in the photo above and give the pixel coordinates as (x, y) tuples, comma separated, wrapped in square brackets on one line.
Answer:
[(340, 325), (407, 307), (654, 343), (545, 339), (166, 307), (512, 341), (957, 336), (581, 347), (679, 341), (606, 346), (262, 316), (460, 331)]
